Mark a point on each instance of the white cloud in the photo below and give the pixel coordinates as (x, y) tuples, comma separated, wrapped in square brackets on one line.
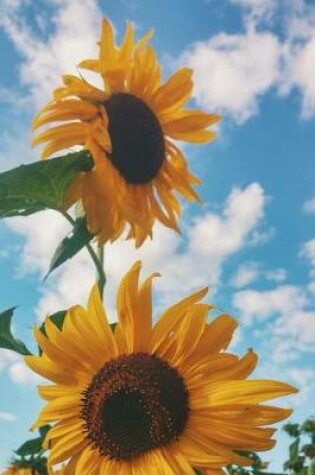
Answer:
[(308, 250), (249, 272), (245, 274), (70, 286), (309, 206), (73, 31), (13, 364), (233, 71), (42, 232), (257, 9), (300, 325), (19, 373), (7, 417), (211, 239), (282, 351), (285, 307), (300, 72), (219, 236), (76, 28), (185, 264), (302, 376), (260, 305), (311, 287), (299, 54), (7, 358), (13, 152), (277, 275)]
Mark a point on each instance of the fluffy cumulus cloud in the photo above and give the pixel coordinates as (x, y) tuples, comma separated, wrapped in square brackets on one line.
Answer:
[(286, 308), (249, 272), (19, 373), (308, 251), (186, 264), (260, 305), (61, 35), (42, 233), (257, 10), (299, 74), (233, 71), (14, 367), (46, 58)]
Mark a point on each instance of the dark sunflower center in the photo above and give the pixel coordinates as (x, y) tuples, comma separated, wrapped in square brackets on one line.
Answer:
[(135, 403), (137, 138)]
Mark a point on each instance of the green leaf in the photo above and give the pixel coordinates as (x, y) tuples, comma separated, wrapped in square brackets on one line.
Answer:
[(292, 429), (311, 468), (57, 318), (308, 427), (113, 326), (7, 340), (43, 431), (71, 244), (258, 472), (33, 447), (30, 447), (294, 450), (30, 188)]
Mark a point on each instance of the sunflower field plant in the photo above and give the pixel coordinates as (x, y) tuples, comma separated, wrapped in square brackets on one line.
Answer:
[(148, 394)]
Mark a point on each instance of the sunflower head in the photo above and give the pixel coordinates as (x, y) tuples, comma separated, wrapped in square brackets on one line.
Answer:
[(150, 398), (128, 125), (22, 468)]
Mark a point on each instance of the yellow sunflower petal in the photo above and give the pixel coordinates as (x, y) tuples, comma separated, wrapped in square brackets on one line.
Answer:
[(190, 120), (91, 65), (195, 393), (217, 335), (69, 445), (133, 330), (115, 197), (172, 317), (66, 110), (99, 322), (242, 392), (77, 133), (189, 332), (67, 406), (200, 136), (175, 92), (88, 462)]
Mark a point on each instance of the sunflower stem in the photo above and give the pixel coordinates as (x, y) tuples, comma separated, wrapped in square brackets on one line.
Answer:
[(101, 276), (97, 257)]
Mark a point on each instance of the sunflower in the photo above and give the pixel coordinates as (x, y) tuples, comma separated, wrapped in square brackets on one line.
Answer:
[(150, 399), (128, 127), (19, 470)]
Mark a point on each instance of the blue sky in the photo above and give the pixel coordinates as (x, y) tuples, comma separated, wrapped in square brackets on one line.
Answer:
[(253, 239)]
